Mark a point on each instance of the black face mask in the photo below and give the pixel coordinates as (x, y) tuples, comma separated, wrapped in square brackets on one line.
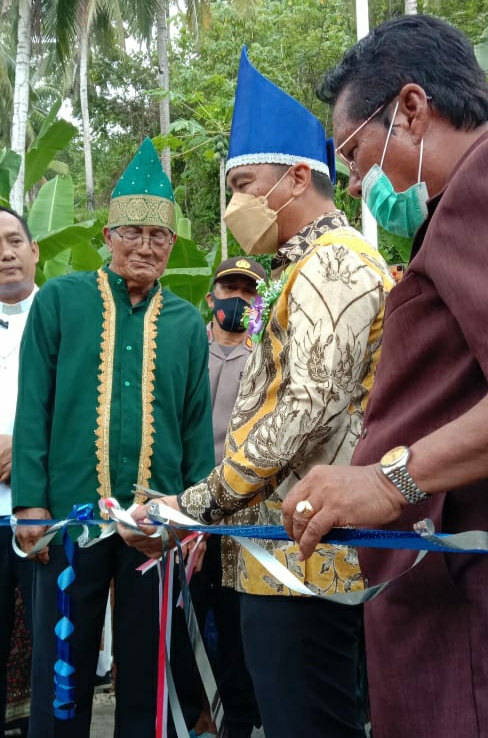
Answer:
[(228, 313)]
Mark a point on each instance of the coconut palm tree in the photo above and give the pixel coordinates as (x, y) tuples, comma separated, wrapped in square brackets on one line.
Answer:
[(21, 98), (26, 17), (162, 33), (89, 16), (112, 19), (198, 17), (7, 76)]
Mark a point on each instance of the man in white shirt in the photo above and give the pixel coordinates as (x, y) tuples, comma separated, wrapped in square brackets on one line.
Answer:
[(19, 255)]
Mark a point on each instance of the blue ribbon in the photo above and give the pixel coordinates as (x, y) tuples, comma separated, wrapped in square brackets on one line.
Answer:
[(340, 537), (64, 680), (361, 538)]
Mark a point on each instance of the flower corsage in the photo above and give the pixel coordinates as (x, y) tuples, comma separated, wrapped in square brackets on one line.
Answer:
[(256, 316)]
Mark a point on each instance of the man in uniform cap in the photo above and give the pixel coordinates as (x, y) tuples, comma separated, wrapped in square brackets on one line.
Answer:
[(233, 289), (113, 392), (318, 333), (242, 266)]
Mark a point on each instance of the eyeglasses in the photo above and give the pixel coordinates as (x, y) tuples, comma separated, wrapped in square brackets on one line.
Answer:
[(158, 239), (350, 163)]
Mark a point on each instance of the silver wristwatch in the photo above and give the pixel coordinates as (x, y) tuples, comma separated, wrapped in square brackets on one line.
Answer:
[(394, 466)]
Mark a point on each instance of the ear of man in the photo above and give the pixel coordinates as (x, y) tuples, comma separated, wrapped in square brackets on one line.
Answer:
[(107, 235), (302, 177), (414, 106), (209, 300)]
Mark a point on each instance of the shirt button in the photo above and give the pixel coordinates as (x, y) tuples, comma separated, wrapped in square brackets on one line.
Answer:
[(127, 384), (129, 348), (124, 459), (130, 311), (364, 433), (119, 281)]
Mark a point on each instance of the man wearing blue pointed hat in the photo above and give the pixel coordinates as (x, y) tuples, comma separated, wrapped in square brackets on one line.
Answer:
[(113, 392), (318, 334)]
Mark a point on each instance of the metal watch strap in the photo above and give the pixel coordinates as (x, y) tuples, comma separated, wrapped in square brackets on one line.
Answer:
[(405, 484)]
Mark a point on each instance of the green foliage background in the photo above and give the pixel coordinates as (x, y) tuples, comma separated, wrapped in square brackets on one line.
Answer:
[(292, 42)]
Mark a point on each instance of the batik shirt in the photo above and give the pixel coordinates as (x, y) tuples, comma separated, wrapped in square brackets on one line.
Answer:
[(301, 400)]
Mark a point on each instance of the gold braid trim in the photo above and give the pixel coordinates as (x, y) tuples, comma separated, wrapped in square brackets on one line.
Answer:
[(106, 370), (141, 210), (148, 367)]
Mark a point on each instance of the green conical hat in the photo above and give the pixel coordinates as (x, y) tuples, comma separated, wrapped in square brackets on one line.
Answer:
[(143, 195)]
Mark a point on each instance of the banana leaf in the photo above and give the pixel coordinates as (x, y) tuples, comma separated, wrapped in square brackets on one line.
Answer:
[(50, 117), (9, 169), (56, 137), (77, 237), (57, 266), (188, 273), (85, 257), (53, 207)]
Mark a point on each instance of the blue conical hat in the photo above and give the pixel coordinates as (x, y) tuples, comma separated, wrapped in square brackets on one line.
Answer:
[(143, 195), (270, 127)]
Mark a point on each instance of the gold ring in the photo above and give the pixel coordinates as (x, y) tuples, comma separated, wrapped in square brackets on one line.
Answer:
[(305, 508)]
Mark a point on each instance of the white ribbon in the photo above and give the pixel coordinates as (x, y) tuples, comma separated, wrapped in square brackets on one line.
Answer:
[(83, 540), (163, 514)]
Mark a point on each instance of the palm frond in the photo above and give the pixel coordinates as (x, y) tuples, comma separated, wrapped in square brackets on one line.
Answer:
[(59, 26), (140, 16)]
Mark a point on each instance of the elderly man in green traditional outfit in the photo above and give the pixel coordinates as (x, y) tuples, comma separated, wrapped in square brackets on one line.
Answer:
[(113, 392)]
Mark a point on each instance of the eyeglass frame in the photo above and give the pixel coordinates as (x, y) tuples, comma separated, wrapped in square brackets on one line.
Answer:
[(139, 240), (350, 163)]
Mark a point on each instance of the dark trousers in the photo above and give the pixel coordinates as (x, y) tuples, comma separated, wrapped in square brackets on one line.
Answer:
[(14, 572), (135, 633), (303, 654), (183, 665), (234, 682), (135, 642)]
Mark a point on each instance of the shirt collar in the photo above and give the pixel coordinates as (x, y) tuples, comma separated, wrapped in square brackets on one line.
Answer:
[(294, 249), (246, 340), (18, 307)]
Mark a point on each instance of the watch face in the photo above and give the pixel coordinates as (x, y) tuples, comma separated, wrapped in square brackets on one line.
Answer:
[(391, 457)]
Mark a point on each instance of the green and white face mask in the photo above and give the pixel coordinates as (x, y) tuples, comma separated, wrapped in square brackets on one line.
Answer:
[(401, 213)]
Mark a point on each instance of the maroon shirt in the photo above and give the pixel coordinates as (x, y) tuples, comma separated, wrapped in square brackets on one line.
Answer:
[(427, 634)]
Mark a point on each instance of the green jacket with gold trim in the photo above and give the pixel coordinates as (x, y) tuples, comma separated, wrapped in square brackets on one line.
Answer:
[(110, 395)]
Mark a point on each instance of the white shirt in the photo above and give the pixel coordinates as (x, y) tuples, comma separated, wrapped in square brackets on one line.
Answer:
[(15, 315)]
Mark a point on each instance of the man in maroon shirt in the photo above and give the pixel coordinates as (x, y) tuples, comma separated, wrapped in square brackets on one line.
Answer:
[(411, 121)]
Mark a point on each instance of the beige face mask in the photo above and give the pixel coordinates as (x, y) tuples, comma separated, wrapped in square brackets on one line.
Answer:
[(252, 223)]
